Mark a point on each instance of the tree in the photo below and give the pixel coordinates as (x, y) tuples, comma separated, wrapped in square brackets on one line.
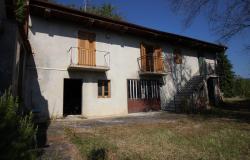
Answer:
[(241, 87), (20, 11), (228, 18), (226, 75), (106, 10)]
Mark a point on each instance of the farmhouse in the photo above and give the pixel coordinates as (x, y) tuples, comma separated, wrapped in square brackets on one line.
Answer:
[(84, 64)]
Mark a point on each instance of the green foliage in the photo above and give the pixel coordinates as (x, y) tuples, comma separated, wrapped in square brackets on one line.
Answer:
[(186, 105), (241, 87), (16, 130), (224, 69), (91, 147), (106, 10), (231, 85), (20, 11)]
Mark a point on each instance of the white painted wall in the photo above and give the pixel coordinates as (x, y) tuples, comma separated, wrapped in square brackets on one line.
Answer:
[(47, 68)]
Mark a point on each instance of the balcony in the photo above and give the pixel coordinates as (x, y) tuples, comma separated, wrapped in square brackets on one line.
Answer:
[(151, 65), (82, 59)]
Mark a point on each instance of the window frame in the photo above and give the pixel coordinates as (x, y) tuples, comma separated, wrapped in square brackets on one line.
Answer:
[(177, 56), (103, 88)]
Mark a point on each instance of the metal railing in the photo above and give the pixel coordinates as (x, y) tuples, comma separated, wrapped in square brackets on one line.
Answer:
[(151, 64), (86, 57)]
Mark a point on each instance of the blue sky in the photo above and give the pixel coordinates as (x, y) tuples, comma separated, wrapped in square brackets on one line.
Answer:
[(158, 15)]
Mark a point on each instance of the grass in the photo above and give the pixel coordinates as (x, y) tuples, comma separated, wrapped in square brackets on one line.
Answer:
[(222, 133), (187, 138)]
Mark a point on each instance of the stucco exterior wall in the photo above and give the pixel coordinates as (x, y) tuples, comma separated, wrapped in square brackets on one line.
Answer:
[(47, 68)]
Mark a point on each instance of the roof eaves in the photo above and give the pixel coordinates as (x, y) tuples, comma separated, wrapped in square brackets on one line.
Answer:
[(129, 26)]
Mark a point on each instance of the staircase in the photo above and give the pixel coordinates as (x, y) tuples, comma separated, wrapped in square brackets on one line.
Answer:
[(185, 92)]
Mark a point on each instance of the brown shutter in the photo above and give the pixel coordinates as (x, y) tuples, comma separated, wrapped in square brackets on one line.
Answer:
[(158, 61), (81, 44), (86, 48), (92, 50), (143, 57)]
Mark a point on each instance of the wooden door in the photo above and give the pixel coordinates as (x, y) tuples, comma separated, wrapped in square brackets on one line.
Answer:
[(86, 48), (158, 60)]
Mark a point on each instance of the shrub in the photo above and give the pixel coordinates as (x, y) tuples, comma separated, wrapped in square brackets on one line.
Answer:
[(17, 130), (186, 105), (20, 11)]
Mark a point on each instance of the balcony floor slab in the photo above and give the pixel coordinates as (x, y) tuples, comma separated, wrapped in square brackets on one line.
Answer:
[(88, 68), (152, 73)]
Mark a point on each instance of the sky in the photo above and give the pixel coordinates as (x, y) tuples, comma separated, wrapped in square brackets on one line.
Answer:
[(157, 14)]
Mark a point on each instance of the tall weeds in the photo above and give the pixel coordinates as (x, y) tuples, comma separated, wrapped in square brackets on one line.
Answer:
[(17, 131)]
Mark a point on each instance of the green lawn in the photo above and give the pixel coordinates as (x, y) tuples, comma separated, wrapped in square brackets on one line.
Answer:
[(194, 137)]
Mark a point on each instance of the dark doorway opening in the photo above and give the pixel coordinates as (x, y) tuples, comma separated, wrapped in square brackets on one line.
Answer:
[(149, 58), (211, 90), (72, 97)]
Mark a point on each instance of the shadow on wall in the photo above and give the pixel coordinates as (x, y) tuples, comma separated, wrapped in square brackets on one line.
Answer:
[(180, 75), (88, 76), (35, 101)]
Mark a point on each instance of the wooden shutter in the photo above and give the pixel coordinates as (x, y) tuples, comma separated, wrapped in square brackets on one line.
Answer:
[(143, 57), (158, 60), (86, 48), (82, 42), (92, 50)]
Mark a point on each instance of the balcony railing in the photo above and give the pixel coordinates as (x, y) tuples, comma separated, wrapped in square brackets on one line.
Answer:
[(85, 59), (151, 65)]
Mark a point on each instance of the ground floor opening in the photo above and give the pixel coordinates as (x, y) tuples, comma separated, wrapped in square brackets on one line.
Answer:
[(211, 84), (72, 97), (143, 95)]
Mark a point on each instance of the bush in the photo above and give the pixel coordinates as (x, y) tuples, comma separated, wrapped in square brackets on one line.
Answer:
[(186, 105), (241, 87), (17, 130), (20, 11)]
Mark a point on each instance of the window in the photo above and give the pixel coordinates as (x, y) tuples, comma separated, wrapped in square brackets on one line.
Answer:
[(104, 89), (143, 89), (177, 56)]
